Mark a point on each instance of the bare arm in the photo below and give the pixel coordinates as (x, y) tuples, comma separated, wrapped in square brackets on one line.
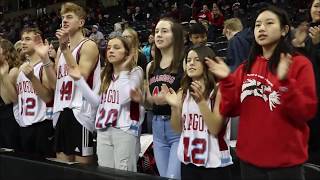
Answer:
[(7, 86), (42, 91), (213, 119), (88, 58), (176, 112)]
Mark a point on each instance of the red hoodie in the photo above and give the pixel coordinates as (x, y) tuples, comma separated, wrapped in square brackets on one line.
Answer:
[(273, 130)]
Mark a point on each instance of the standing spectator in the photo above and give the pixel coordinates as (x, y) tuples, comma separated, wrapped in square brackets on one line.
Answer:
[(166, 68), (307, 39), (239, 42), (132, 36), (203, 147), (270, 83), (73, 135), (9, 128)]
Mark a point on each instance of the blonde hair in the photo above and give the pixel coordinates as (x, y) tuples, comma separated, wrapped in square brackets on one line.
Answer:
[(134, 43), (72, 7), (233, 24)]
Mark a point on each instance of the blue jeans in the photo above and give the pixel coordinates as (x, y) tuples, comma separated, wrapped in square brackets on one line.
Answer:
[(166, 143)]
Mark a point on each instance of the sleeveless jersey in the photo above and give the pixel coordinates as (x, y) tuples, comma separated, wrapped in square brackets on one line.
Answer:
[(159, 77), (116, 108), (197, 145), (67, 94), (30, 108)]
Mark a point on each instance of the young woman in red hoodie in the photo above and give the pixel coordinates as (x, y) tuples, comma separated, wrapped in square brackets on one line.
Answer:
[(274, 94)]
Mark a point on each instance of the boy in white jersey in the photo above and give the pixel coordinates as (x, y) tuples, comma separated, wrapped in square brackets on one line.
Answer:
[(73, 139), (33, 92), (203, 148)]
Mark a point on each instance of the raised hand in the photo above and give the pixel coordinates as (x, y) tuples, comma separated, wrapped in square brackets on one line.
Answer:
[(172, 98), (300, 35), (27, 69), (136, 95), (63, 37), (4, 69), (128, 63), (314, 33), (41, 48), (218, 67), (197, 91), (284, 65), (74, 73)]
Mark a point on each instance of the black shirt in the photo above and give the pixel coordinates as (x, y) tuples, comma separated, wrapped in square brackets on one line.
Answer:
[(159, 77)]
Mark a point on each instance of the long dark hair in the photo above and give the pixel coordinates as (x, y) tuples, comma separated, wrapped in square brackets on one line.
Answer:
[(209, 80), (283, 46), (178, 49)]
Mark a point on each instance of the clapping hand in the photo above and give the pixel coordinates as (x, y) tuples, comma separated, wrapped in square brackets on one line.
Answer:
[(218, 67), (284, 65)]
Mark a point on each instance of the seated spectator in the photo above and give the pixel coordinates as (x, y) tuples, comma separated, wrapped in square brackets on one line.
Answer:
[(146, 50), (217, 16), (205, 14), (198, 34), (98, 37)]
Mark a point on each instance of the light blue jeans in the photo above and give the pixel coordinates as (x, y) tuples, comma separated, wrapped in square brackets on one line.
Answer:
[(166, 143)]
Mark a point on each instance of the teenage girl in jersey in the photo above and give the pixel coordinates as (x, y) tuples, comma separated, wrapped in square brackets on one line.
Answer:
[(274, 94), (166, 68), (118, 117), (203, 147)]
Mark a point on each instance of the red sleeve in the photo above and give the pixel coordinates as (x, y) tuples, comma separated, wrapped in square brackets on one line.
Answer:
[(299, 91), (230, 88)]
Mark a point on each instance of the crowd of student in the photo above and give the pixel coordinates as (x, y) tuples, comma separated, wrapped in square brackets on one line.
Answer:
[(56, 95)]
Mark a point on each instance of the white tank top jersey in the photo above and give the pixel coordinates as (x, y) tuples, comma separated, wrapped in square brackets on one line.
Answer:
[(116, 108), (197, 145), (67, 94), (30, 108)]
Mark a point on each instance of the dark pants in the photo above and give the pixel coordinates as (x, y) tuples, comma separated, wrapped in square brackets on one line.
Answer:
[(251, 172), (192, 172)]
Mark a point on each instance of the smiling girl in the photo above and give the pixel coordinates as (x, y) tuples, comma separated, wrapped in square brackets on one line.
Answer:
[(203, 148)]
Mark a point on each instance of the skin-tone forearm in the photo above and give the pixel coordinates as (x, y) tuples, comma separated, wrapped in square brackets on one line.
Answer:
[(7, 90), (69, 58), (176, 118), (51, 74), (44, 93), (213, 120)]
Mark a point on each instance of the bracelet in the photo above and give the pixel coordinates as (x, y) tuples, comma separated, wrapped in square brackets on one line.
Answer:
[(46, 64)]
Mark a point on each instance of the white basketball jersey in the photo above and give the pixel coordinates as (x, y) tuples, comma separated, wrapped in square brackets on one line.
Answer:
[(30, 108), (67, 95), (117, 110), (197, 145)]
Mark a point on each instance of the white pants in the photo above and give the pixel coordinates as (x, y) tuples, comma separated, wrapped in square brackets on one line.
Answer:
[(117, 149)]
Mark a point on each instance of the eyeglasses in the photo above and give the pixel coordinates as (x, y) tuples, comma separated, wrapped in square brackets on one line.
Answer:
[(127, 37)]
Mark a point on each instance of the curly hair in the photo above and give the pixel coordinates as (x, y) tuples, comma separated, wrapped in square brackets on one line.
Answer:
[(9, 53)]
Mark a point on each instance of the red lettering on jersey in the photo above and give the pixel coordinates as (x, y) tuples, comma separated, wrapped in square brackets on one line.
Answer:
[(195, 122), (62, 71), (113, 96)]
